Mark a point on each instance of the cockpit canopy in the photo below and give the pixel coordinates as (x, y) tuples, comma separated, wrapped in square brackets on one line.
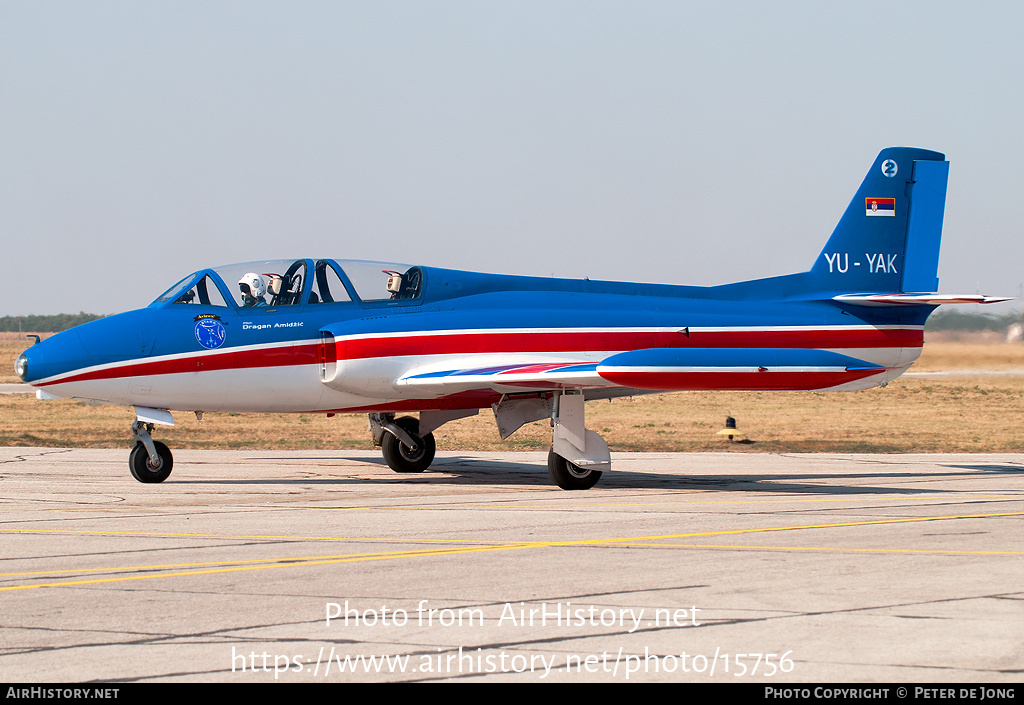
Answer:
[(274, 283)]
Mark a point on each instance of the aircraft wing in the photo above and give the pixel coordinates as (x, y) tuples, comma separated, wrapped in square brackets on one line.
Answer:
[(659, 369)]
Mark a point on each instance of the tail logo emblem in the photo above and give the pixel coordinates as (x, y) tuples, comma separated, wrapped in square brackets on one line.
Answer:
[(889, 168)]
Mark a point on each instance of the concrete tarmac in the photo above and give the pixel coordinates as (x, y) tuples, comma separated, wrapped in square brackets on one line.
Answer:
[(325, 566)]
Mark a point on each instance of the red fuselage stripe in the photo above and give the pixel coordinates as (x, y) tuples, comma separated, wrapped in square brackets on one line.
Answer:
[(263, 357), (461, 343)]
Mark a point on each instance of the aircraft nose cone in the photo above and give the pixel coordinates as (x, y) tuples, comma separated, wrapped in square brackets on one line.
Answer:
[(119, 337), (58, 353), (112, 339)]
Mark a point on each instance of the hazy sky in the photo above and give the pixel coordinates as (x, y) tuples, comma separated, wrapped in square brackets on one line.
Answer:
[(680, 142)]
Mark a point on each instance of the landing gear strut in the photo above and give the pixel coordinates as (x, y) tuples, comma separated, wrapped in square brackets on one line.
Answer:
[(149, 461), (577, 457)]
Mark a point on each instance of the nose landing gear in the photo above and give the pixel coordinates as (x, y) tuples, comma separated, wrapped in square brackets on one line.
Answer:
[(150, 461)]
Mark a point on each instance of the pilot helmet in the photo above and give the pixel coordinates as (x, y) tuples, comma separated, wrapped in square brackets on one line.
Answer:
[(252, 286)]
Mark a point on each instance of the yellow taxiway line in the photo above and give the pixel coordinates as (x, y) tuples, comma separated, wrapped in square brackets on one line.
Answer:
[(493, 546)]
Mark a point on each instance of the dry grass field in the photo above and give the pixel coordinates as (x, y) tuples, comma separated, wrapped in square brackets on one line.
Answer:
[(964, 413)]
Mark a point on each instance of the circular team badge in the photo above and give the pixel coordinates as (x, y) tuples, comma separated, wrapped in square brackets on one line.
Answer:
[(889, 168), (210, 333)]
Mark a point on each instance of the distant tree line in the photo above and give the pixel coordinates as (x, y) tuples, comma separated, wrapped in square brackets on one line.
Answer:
[(951, 319), (45, 324)]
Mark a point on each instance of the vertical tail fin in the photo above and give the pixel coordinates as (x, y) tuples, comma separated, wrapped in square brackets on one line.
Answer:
[(888, 238)]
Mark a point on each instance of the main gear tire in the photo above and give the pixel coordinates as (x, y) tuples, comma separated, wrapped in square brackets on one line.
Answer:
[(400, 457), (569, 476)]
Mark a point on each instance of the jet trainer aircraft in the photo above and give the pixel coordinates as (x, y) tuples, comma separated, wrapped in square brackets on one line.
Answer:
[(338, 336)]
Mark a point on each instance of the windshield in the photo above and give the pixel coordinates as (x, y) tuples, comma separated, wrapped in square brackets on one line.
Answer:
[(192, 291), (166, 296)]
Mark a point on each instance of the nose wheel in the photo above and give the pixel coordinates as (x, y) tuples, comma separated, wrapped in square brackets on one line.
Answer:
[(149, 461)]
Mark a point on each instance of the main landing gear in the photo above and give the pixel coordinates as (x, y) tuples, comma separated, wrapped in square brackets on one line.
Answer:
[(576, 461), (578, 457), (405, 450), (570, 476)]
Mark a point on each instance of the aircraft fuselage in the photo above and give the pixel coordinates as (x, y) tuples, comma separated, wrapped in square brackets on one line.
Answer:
[(350, 356)]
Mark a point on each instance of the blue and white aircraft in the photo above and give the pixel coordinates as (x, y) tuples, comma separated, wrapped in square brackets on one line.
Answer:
[(338, 336)]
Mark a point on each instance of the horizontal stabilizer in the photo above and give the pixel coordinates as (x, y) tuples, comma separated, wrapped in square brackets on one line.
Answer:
[(919, 299), (682, 369)]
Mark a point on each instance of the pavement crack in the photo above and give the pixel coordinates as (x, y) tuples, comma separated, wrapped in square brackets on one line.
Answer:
[(27, 456)]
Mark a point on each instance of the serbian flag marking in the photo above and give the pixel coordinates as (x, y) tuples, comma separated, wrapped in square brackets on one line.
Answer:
[(880, 206)]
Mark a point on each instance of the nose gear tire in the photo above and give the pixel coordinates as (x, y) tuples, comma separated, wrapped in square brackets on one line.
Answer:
[(143, 471)]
